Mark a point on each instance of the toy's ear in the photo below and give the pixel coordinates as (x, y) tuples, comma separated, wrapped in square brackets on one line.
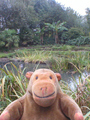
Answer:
[(58, 76), (28, 75)]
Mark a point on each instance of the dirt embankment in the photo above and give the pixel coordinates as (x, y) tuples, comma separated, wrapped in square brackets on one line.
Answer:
[(4, 59)]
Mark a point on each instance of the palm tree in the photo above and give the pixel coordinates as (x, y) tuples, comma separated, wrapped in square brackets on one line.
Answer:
[(56, 27), (41, 33)]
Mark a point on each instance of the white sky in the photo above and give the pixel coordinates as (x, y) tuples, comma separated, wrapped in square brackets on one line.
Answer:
[(77, 5)]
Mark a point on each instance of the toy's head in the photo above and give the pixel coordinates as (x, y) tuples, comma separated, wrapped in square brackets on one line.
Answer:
[(43, 86)]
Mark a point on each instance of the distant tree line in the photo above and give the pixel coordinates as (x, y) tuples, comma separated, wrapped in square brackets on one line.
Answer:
[(29, 22)]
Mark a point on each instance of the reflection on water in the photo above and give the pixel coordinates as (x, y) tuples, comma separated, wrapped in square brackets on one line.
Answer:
[(22, 65), (73, 79), (68, 77)]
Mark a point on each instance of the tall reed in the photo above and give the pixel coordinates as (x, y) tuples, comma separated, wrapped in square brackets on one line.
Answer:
[(14, 86)]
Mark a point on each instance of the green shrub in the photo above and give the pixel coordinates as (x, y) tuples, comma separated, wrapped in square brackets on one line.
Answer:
[(9, 39), (28, 37), (79, 41), (64, 37), (74, 33)]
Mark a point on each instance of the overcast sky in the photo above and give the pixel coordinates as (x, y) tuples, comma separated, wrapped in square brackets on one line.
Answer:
[(77, 5)]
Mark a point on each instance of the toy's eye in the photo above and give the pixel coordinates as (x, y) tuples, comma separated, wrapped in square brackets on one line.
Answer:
[(36, 77), (50, 77)]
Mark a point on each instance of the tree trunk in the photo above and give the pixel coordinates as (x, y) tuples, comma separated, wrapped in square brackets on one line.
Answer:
[(41, 39), (56, 38)]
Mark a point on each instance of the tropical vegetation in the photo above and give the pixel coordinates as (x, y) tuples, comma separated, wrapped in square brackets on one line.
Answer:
[(44, 31), (32, 22)]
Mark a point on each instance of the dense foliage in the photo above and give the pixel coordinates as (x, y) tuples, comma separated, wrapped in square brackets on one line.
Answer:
[(9, 39), (79, 41), (30, 16)]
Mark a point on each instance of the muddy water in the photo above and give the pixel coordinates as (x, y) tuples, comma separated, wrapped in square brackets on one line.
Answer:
[(68, 77)]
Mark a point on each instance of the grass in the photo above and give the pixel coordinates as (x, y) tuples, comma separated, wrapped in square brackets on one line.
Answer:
[(14, 86), (2, 55), (59, 60), (11, 84), (33, 56), (59, 57)]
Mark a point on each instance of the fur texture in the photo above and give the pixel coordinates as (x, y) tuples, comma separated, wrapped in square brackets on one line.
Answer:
[(43, 100)]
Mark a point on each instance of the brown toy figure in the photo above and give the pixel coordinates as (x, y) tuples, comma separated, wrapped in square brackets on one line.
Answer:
[(43, 100)]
